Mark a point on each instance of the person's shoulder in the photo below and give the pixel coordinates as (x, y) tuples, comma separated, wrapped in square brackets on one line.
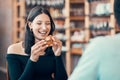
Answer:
[(101, 40), (14, 48), (107, 38), (98, 39)]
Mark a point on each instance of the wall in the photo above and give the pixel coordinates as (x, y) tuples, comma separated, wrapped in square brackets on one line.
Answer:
[(5, 32)]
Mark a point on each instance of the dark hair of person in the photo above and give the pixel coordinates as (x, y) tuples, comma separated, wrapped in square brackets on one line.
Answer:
[(117, 11), (29, 39)]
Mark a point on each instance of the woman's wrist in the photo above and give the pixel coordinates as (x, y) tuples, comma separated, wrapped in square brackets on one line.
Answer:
[(34, 60), (58, 54)]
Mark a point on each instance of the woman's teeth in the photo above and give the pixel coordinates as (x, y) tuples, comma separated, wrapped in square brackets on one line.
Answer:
[(42, 32)]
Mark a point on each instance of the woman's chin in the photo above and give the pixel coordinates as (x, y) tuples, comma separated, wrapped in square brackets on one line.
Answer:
[(39, 38)]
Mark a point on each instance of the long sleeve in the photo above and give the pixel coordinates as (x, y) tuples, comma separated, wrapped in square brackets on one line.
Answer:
[(88, 65), (60, 72), (15, 69)]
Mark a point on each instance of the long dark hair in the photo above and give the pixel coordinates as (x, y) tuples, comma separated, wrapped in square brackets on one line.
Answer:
[(29, 39)]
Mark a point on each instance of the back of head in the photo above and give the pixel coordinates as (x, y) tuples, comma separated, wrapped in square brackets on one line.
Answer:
[(117, 11)]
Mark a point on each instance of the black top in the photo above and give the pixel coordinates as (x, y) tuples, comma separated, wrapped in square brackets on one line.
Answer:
[(22, 68)]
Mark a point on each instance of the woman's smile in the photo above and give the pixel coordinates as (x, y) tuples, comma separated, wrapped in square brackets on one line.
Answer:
[(43, 33), (41, 26)]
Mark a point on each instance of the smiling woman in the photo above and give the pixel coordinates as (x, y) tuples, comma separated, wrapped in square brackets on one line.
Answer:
[(40, 26), (33, 58)]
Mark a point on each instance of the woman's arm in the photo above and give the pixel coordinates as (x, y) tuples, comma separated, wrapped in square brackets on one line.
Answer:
[(15, 67), (16, 72), (60, 72)]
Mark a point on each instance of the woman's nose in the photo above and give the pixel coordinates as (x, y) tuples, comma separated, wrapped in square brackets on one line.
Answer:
[(43, 26)]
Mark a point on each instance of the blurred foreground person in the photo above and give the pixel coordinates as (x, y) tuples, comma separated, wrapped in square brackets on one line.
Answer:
[(101, 59)]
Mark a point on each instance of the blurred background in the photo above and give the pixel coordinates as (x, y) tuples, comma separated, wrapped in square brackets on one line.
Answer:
[(6, 26), (77, 22)]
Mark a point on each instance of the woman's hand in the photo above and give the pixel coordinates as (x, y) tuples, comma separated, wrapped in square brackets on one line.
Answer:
[(57, 46), (37, 50)]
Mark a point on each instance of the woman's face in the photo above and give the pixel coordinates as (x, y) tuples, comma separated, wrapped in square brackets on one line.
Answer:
[(40, 26)]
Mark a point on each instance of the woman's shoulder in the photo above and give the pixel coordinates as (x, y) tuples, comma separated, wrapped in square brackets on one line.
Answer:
[(15, 48)]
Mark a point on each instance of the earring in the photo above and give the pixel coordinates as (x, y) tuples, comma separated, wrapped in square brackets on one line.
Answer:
[(31, 30)]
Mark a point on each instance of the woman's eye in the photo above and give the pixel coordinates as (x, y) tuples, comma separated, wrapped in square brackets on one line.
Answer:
[(39, 23), (47, 23)]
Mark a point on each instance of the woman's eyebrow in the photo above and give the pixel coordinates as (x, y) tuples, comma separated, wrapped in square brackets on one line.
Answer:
[(42, 21)]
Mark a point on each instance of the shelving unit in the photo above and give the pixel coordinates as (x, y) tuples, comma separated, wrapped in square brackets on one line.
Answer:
[(76, 25), (18, 20), (102, 20), (85, 18)]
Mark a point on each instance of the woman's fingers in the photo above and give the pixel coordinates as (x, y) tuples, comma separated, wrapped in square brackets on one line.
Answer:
[(41, 50), (57, 46), (37, 50), (38, 44), (57, 41)]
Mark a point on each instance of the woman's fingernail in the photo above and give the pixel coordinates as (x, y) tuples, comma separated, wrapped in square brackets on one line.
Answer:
[(44, 42), (46, 45)]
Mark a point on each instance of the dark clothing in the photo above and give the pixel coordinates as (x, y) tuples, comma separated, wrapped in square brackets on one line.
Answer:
[(22, 68)]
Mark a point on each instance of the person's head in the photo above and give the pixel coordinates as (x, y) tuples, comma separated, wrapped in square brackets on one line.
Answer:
[(39, 25), (117, 11)]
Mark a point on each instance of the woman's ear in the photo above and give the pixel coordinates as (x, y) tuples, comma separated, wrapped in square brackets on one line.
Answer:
[(30, 25)]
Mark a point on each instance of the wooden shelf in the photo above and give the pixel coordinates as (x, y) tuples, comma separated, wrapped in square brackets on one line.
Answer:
[(77, 1), (76, 29), (99, 16), (77, 51), (80, 18), (60, 29), (117, 30), (79, 41)]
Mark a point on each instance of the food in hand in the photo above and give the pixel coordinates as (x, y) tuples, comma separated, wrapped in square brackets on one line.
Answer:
[(49, 40)]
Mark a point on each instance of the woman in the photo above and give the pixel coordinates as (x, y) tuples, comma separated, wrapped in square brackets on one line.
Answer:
[(33, 58)]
